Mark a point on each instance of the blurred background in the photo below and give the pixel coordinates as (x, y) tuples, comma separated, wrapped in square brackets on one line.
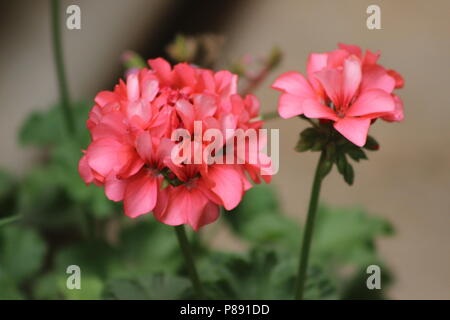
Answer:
[(407, 181)]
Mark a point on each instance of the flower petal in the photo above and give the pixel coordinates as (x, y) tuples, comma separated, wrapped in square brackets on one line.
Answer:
[(162, 70), (354, 129), (289, 105), (228, 184), (140, 194), (376, 77), (397, 114), (144, 146), (370, 102), (351, 78), (316, 110), (115, 188), (294, 83)]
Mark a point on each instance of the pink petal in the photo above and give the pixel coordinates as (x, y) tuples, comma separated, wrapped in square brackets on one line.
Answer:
[(103, 155), (371, 58), (316, 110), (252, 103), (84, 170), (336, 58), (399, 81), (184, 75), (294, 83), (162, 70), (115, 188), (144, 146), (178, 206), (290, 105), (140, 194), (226, 82), (186, 112), (352, 49), (205, 105), (209, 214), (228, 184), (331, 80), (397, 114), (316, 62), (351, 78), (354, 129), (133, 87), (150, 88), (111, 125), (139, 111), (376, 77), (372, 101), (105, 97)]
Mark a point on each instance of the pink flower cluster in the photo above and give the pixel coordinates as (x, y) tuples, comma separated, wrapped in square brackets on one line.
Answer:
[(130, 152), (343, 86)]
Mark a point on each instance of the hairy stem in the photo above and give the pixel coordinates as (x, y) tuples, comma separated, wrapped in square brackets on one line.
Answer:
[(189, 259), (309, 228), (60, 70)]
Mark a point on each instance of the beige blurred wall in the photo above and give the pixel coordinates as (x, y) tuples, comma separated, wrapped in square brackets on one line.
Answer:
[(407, 181)]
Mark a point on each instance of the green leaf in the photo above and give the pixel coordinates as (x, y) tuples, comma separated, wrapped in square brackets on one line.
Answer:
[(262, 274), (159, 286), (147, 246), (356, 153), (347, 236), (259, 219), (90, 289), (325, 168), (371, 144), (9, 289), (349, 174), (22, 252), (46, 127)]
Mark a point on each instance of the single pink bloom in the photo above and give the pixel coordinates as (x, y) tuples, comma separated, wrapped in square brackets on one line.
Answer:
[(345, 87)]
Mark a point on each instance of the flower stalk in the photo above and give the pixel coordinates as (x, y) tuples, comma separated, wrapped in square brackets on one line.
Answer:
[(59, 64), (321, 171), (189, 258)]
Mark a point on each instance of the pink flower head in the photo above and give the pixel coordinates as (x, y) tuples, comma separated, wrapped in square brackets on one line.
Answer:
[(130, 153), (344, 86)]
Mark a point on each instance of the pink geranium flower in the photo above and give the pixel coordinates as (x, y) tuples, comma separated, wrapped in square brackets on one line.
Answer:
[(130, 152), (343, 86)]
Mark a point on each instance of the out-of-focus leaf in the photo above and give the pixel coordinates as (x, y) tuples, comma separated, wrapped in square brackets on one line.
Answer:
[(22, 252), (91, 288), (47, 127), (347, 235), (46, 287), (159, 286), (258, 219), (148, 246), (262, 274), (9, 289)]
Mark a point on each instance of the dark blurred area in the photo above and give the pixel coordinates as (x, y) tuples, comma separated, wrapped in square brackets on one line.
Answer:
[(407, 182)]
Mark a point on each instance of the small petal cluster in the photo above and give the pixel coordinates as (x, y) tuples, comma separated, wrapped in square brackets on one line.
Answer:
[(344, 86), (130, 153)]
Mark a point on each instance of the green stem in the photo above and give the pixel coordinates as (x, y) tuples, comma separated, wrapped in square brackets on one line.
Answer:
[(59, 63), (309, 227), (189, 258)]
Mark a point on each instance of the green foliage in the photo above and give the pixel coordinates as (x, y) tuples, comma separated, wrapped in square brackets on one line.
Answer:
[(343, 239), (50, 220), (157, 286), (260, 274), (322, 137), (260, 220)]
